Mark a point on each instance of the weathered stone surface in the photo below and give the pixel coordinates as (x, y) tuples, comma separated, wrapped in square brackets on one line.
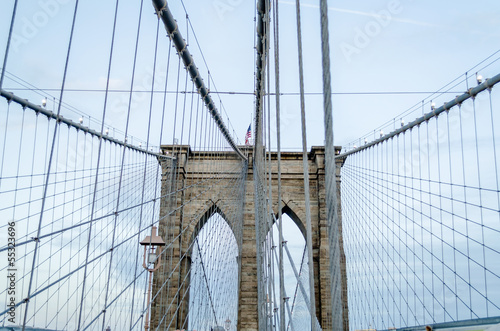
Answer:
[(196, 203)]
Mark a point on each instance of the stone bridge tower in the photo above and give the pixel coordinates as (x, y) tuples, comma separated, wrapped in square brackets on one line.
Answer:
[(189, 168)]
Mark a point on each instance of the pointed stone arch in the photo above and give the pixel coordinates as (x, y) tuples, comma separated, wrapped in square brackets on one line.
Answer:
[(212, 209), (293, 204)]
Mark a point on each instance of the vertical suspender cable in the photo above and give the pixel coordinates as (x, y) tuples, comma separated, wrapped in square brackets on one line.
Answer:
[(37, 242), (260, 216), (106, 295), (97, 166), (330, 182), (278, 143), (306, 173), (148, 284), (8, 44), (128, 117)]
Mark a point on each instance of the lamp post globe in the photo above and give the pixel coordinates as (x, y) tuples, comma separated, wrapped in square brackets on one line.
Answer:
[(151, 258)]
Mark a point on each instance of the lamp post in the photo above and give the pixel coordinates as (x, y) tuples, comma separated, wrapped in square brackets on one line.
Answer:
[(150, 244), (227, 324)]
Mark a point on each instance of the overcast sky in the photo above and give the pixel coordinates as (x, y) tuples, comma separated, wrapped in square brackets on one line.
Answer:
[(386, 56), (376, 46)]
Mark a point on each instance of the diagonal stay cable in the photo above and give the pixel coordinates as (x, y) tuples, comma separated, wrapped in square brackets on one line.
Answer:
[(206, 281), (49, 167)]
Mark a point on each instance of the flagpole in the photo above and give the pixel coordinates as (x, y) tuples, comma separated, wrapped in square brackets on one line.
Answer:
[(251, 121)]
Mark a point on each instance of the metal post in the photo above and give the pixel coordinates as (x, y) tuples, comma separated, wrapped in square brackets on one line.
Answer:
[(146, 323)]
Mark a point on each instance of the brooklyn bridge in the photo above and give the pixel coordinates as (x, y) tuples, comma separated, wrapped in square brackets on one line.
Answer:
[(135, 194)]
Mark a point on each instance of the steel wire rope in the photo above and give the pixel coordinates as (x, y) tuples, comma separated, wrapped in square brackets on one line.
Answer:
[(192, 293), (179, 298), (268, 193), (450, 169), (269, 224), (43, 92), (9, 38), (210, 79), (187, 226), (487, 84), (297, 275), (183, 107), (306, 170), (368, 216), (207, 283), (123, 163), (285, 299), (347, 201), (464, 235), (443, 89), (298, 296), (98, 161), (18, 166), (176, 101), (147, 140), (186, 251), (297, 287), (30, 195), (191, 114), (474, 120), (49, 169), (466, 211), (101, 217), (278, 145), (262, 9), (4, 142), (414, 224), (90, 262), (449, 212), (163, 116), (479, 263), (494, 149), (46, 303)]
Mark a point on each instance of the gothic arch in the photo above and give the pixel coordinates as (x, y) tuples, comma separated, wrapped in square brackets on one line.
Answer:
[(209, 212), (295, 218), (287, 210), (241, 207), (295, 212)]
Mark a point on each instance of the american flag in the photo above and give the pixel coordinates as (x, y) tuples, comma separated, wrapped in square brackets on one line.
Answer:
[(248, 135)]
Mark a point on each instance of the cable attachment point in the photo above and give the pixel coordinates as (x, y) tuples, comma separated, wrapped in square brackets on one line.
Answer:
[(487, 84), (469, 92), (159, 10)]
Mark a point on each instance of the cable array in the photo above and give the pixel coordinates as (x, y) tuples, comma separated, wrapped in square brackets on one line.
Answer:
[(420, 214), (274, 260), (408, 239), (78, 194), (74, 185)]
